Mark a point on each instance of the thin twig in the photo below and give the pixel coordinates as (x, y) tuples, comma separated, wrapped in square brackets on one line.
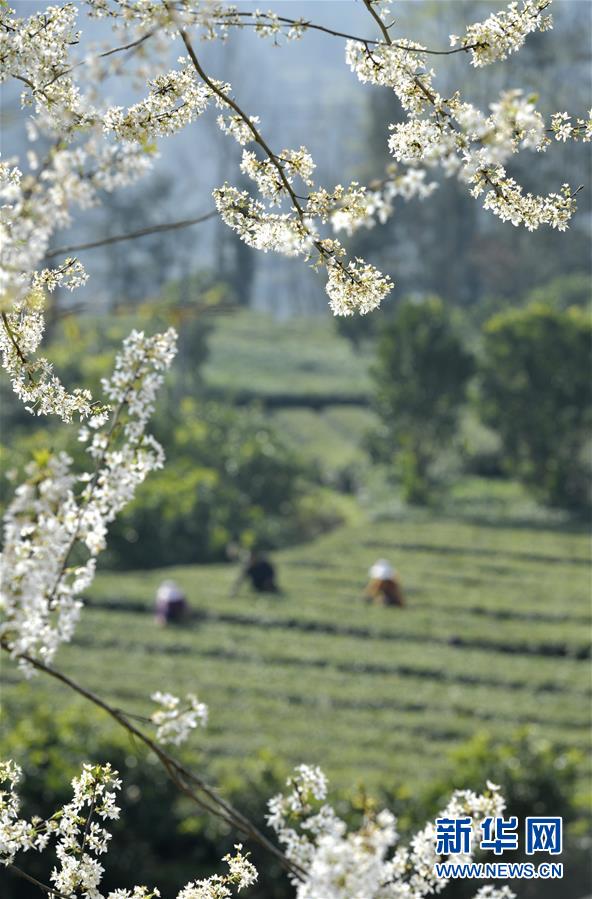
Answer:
[(143, 232), (306, 24)]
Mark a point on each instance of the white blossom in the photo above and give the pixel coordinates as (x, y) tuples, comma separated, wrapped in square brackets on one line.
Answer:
[(401, 66), (33, 379), (48, 516), (368, 862), (504, 32), (175, 99), (564, 129), (242, 873), (174, 721), (356, 287), (257, 227), (77, 835), (234, 125)]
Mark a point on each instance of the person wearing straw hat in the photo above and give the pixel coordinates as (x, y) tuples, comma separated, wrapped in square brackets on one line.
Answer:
[(384, 588)]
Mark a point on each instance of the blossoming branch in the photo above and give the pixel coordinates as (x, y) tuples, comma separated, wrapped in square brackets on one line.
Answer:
[(96, 148)]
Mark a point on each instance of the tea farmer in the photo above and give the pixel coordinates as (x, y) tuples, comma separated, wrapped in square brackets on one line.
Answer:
[(384, 587), (171, 604)]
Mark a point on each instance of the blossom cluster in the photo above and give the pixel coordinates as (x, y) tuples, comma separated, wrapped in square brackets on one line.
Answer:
[(36, 51), (241, 873), (259, 228), (349, 209), (79, 835), (269, 176), (505, 32), (174, 722), (55, 510), (456, 136), (77, 828), (342, 864), (564, 129), (401, 66), (33, 379), (33, 207), (356, 287), (353, 286), (98, 149), (174, 100), (237, 127), (463, 141)]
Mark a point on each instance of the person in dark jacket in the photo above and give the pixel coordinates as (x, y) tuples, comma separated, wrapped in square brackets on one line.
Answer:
[(171, 604), (260, 572)]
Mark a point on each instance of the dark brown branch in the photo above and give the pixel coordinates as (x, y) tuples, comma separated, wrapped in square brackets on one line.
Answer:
[(37, 883), (13, 339), (188, 782), (306, 24), (328, 256), (143, 232), (379, 22)]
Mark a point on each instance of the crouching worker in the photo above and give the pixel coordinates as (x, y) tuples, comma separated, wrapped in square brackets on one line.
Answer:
[(384, 588), (171, 604), (260, 572)]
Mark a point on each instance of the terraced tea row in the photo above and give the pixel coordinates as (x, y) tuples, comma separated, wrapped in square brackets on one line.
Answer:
[(495, 636)]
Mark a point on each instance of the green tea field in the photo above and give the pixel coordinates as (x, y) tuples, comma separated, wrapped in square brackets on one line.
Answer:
[(301, 357), (495, 636)]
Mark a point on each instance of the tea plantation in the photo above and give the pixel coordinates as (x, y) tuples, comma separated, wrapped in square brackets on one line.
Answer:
[(495, 636)]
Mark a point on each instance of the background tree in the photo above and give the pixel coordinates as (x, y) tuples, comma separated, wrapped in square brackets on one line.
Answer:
[(475, 260), (421, 376), (536, 392), (247, 487)]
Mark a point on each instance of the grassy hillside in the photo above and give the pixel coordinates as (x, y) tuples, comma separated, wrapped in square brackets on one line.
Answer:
[(316, 388), (253, 353), (495, 635)]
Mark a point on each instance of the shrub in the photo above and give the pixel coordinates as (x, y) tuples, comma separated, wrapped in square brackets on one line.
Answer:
[(229, 478), (536, 393), (173, 840), (421, 375), (536, 778)]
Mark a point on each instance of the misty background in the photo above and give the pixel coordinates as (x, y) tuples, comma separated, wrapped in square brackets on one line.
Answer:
[(304, 93)]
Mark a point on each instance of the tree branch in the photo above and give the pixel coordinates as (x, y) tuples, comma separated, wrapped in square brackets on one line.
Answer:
[(184, 779), (143, 232), (42, 886), (380, 23), (227, 18), (329, 257)]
